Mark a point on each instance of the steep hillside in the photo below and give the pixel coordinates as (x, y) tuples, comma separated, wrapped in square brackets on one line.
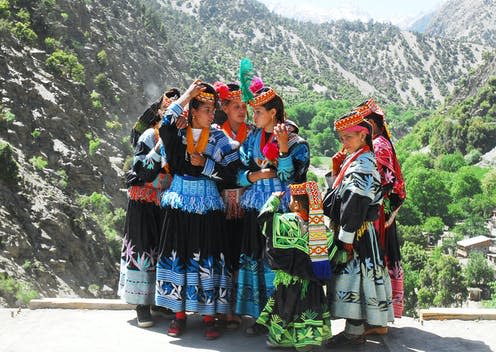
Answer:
[(340, 59), (73, 76), (468, 20), (466, 123)]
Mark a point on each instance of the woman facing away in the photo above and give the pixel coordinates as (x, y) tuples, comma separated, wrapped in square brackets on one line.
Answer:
[(272, 159), (147, 178), (360, 289), (194, 270)]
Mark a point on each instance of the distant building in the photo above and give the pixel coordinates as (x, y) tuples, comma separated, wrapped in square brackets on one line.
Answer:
[(469, 245), (491, 257)]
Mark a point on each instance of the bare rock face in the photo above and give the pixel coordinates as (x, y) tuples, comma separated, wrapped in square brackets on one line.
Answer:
[(470, 20)]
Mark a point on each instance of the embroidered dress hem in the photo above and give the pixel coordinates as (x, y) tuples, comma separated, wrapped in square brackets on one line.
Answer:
[(296, 314), (255, 286), (193, 273), (136, 287)]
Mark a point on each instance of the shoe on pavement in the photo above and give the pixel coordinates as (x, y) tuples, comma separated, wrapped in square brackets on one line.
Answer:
[(143, 316), (176, 327), (162, 311)]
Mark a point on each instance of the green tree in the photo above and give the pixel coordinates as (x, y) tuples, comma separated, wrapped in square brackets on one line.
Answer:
[(414, 259), (478, 272), (66, 64), (443, 278), (465, 183), (428, 191), (488, 183), (450, 162), (434, 226), (410, 214), (472, 227), (414, 162)]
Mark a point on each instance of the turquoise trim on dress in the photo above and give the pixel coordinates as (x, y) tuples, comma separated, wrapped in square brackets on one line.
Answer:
[(192, 195), (257, 194)]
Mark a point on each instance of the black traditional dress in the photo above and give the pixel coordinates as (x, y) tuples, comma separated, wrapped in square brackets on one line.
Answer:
[(147, 179), (360, 288), (194, 272), (296, 314), (255, 278)]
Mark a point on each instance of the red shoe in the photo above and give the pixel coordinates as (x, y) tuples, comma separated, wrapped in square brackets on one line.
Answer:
[(176, 327), (212, 332)]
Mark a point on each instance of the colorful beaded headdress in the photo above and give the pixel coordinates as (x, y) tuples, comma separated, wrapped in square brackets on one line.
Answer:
[(352, 119), (263, 97), (225, 93), (371, 107), (205, 97)]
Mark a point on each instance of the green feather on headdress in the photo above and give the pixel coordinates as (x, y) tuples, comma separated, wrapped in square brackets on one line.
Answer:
[(245, 76)]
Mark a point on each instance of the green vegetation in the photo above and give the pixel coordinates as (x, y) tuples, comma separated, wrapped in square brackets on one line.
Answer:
[(93, 143), (111, 222), (64, 179), (39, 162), (101, 57), (478, 272), (113, 124), (52, 44), (95, 100), (66, 64), (36, 133), (6, 116), (16, 292), (468, 127), (9, 172), (101, 81)]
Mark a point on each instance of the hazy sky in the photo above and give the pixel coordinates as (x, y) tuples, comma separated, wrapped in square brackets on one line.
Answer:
[(394, 11)]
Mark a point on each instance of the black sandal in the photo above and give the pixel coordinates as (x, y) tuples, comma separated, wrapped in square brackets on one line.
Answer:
[(343, 339), (256, 330)]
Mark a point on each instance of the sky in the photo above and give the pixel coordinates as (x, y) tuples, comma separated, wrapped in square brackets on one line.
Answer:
[(398, 12)]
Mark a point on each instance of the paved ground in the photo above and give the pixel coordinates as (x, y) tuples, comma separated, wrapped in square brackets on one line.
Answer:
[(66, 330)]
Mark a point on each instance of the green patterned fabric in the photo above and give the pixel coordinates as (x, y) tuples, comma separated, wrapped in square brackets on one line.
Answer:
[(287, 232), (286, 228), (311, 327)]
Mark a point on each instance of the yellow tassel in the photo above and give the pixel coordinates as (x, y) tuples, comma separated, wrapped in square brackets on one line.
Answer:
[(362, 230)]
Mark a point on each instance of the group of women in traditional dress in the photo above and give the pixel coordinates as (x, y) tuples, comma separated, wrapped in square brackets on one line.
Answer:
[(209, 228)]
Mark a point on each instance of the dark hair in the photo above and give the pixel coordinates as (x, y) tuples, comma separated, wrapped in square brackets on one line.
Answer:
[(172, 93), (150, 116), (233, 87), (368, 137), (303, 200), (220, 115), (195, 103), (274, 103), (378, 119)]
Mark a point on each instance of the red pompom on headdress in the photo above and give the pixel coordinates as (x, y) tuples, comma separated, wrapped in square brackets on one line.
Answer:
[(222, 90)]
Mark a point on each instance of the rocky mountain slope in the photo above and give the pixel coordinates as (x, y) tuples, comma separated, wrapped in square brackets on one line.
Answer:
[(467, 121), (468, 20), (339, 59)]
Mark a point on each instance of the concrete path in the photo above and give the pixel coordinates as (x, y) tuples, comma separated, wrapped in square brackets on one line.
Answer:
[(67, 330)]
